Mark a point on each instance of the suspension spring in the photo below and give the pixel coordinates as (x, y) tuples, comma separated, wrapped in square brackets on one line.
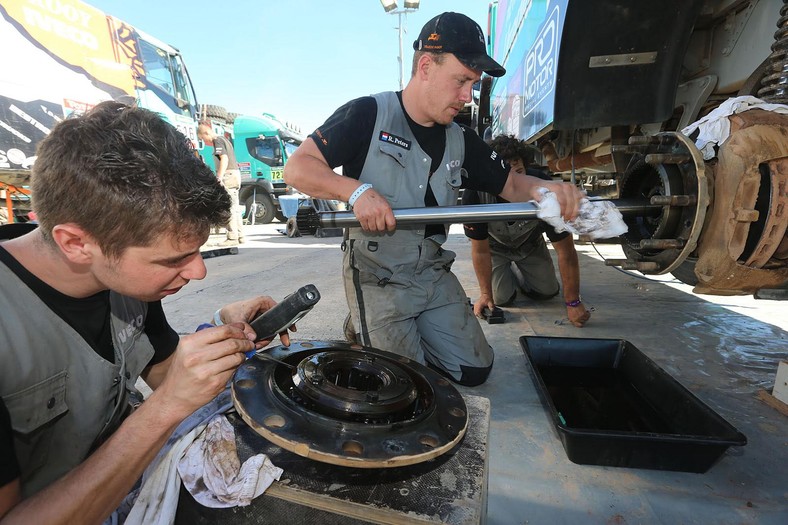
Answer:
[(775, 85)]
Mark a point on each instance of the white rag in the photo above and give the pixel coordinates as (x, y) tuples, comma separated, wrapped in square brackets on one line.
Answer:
[(213, 474), (597, 219), (714, 128), (155, 501)]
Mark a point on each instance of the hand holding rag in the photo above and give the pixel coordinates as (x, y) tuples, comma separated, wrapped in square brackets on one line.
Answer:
[(597, 219)]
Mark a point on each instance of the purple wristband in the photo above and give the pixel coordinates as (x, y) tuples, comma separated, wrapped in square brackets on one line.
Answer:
[(576, 302)]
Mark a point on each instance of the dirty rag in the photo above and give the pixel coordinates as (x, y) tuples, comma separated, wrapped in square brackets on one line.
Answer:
[(714, 128), (596, 219), (155, 500), (213, 474)]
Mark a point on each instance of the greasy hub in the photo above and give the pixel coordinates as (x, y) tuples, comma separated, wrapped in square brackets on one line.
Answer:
[(350, 405), (667, 166), (357, 387)]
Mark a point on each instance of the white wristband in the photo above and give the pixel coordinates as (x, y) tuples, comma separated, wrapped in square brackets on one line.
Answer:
[(217, 317), (359, 191)]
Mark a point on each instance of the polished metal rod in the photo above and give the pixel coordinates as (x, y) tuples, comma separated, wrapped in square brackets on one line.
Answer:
[(475, 213)]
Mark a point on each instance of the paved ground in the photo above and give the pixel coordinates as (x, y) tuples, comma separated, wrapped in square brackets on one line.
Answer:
[(723, 349)]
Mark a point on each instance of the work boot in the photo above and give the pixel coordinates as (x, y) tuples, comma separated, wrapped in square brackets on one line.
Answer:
[(350, 331)]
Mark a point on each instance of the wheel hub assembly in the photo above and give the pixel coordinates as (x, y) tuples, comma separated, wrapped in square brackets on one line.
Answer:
[(349, 405)]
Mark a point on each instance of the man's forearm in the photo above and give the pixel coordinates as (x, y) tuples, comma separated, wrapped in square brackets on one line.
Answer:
[(324, 185), (93, 490), (569, 267), (481, 256), (520, 188), (308, 172)]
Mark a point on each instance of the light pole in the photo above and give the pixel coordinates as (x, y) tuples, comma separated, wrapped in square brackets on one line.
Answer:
[(391, 7)]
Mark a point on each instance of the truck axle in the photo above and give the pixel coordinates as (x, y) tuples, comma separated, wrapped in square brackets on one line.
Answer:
[(461, 214)]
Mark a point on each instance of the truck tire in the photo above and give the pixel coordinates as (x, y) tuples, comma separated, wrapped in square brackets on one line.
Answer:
[(213, 112), (231, 117), (260, 208)]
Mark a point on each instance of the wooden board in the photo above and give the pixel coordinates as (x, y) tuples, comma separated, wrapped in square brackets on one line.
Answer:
[(773, 402), (450, 489), (780, 390)]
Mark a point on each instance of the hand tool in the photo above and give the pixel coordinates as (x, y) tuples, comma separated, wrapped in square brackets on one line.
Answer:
[(286, 313)]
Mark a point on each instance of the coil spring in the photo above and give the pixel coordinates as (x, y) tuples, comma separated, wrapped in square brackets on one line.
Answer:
[(775, 84)]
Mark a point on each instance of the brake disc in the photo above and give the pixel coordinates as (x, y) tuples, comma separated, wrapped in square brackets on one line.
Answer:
[(349, 405)]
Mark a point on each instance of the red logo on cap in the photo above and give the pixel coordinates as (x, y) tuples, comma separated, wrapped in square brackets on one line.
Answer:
[(434, 36)]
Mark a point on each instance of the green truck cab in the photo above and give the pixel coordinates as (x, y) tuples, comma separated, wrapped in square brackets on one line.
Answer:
[(262, 146)]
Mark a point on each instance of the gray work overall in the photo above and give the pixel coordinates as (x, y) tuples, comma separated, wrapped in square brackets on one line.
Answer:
[(59, 392), (520, 259), (402, 295)]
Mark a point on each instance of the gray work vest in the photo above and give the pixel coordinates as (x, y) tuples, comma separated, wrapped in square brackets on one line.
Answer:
[(510, 235), (399, 170), (59, 392)]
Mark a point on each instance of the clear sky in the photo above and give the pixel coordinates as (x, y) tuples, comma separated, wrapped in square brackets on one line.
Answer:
[(297, 59)]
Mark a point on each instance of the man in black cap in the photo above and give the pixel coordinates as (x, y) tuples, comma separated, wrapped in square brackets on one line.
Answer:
[(403, 150)]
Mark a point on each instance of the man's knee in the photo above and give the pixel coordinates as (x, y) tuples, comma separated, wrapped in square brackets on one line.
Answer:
[(474, 376), (504, 300), (539, 296), (471, 375)]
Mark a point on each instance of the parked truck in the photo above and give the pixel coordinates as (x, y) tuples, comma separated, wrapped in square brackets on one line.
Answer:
[(604, 90), (64, 56), (262, 145)]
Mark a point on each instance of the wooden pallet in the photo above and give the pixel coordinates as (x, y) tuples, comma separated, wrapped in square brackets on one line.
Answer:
[(450, 489)]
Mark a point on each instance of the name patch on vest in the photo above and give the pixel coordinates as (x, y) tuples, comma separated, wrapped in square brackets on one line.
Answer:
[(385, 136)]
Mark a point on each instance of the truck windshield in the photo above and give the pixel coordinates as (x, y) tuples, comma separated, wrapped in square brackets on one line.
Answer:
[(183, 88), (290, 148), (166, 71), (266, 149)]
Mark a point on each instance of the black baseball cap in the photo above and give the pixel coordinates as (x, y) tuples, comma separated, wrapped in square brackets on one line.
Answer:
[(457, 34)]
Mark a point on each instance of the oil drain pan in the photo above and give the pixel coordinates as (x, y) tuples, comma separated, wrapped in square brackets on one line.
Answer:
[(611, 405)]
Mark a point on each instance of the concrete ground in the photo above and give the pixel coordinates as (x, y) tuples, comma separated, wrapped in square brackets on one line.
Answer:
[(723, 349)]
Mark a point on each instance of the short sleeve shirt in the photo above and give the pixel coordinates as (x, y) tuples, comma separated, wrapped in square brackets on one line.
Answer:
[(222, 146), (345, 137), (90, 318)]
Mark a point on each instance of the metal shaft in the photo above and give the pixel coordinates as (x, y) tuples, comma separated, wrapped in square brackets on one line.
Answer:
[(474, 213)]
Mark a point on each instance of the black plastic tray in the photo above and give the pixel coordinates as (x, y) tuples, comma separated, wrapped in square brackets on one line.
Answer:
[(611, 405)]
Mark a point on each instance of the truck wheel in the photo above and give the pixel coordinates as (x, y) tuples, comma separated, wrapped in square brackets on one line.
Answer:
[(260, 208), (212, 112)]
